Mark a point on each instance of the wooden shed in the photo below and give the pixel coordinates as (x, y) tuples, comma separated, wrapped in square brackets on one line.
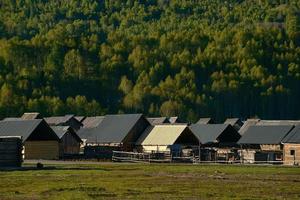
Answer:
[(69, 141), (39, 140), (10, 151)]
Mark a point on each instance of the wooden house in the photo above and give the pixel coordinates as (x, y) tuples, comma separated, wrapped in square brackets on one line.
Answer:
[(39, 140), (115, 132), (67, 120), (69, 141), (265, 142), (171, 138), (291, 147), (218, 141)]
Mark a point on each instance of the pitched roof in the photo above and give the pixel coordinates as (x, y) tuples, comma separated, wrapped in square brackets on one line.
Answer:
[(293, 136), (92, 122), (31, 115), (209, 133), (265, 134), (174, 120), (158, 120), (247, 124), (161, 134), (80, 118), (57, 120), (113, 129), (232, 121), (277, 122), (23, 128), (205, 121), (62, 130)]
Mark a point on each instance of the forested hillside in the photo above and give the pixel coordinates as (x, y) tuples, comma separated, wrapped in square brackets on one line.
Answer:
[(160, 57)]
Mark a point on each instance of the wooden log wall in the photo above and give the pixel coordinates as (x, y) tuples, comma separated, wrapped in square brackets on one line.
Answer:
[(10, 151)]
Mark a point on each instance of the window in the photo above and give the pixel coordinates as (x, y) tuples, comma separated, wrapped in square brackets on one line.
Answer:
[(292, 152)]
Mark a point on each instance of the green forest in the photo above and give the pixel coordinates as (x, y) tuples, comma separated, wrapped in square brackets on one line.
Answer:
[(190, 58)]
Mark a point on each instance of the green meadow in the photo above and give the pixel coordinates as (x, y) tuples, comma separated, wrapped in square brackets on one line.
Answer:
[(150, 181)]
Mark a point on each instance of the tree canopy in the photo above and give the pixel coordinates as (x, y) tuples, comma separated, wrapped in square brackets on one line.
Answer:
[(235, 58)]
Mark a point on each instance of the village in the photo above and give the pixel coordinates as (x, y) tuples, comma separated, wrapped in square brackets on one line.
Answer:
[(136, 138)]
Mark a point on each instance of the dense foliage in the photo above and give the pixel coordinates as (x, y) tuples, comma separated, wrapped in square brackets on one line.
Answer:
[(160, 57)]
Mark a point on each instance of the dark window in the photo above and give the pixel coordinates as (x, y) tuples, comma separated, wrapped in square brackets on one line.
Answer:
[(292, 152)]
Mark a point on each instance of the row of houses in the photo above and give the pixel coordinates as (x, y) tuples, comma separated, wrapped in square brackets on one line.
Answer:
[(249, 141)]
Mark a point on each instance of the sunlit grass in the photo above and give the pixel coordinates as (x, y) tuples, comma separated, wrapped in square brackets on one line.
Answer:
[(145, 181)]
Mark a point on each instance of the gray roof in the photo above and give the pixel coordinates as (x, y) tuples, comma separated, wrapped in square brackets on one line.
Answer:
[(31, 115), (232, 121), (80, 118), (265, 134), (205, 121), (278, 122), (174, 120), (208, 133), (58, 119), (158, 120), (62, 130), (92, 122), (23, 128), (293, 136), (247, 124), (113, 129)]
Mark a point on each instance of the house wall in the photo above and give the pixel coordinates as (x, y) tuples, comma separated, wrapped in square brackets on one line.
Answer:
[(271, 147), (68, 145), (247, 155), (289, 159), (48, 149), (158, 148)]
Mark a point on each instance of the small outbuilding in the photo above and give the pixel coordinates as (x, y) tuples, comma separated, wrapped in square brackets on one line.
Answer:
[(69, 141), (39, 140), (291, 147)]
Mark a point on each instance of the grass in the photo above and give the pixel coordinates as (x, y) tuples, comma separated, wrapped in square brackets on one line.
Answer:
[(149, 181)]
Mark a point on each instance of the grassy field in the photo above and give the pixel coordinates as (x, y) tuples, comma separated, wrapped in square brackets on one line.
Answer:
[(145, 181)]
